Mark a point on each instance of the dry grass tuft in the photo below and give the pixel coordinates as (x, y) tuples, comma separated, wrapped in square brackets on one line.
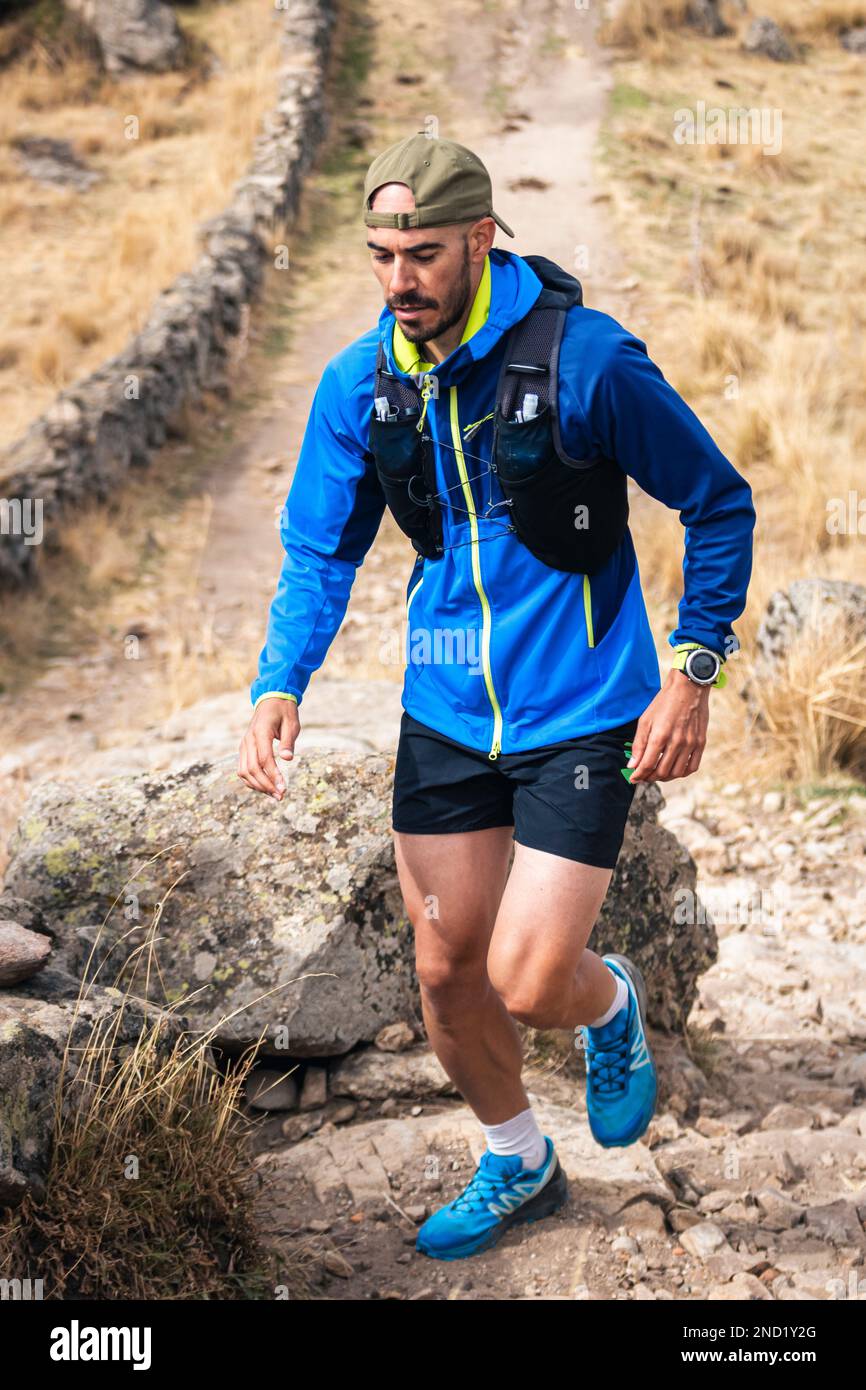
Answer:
[(811, 716), (150, 1193), (645, 25)]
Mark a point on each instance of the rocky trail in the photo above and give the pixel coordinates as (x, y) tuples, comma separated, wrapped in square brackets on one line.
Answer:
[(751, 1182)]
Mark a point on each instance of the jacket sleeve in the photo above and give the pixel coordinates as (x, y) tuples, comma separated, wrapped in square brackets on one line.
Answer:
[(328, 523), (635, 417)]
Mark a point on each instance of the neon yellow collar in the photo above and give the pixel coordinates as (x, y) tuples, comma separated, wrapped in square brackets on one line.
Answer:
[(406, 353)]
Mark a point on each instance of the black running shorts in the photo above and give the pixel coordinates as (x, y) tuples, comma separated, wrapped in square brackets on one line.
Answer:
[(568, 798)]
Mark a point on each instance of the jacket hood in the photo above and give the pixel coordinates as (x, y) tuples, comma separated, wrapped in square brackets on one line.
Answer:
[(514, 288)]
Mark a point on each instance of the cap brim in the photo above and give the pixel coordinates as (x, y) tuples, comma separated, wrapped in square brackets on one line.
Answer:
[(499, 222)]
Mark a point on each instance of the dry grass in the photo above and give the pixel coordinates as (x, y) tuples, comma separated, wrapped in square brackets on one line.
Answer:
[(812, 716), (179, 1223), (646, 25), (750, 268), (81, 269)]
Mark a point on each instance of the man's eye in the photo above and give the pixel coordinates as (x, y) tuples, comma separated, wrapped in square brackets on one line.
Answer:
[(383, 256)]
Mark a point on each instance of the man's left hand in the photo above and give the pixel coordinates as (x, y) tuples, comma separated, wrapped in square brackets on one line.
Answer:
[(672, 731)]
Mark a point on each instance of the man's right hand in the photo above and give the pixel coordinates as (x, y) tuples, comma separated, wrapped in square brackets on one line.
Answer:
[(272, 719)]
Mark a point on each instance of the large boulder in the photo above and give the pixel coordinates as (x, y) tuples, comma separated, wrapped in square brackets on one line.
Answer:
[(285, 921), (286, 916), (133, 35), (804, 609)]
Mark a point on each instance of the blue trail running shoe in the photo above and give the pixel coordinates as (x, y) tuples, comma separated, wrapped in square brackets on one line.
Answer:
[(621, 1081), (501, 1194)]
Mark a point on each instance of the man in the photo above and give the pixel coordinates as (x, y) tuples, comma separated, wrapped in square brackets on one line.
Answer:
[(531, 736)]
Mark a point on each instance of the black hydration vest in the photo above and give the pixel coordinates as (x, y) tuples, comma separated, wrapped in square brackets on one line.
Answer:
[(571, 513)]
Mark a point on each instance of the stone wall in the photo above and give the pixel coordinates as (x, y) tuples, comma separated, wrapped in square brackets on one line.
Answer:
[(115, 418)]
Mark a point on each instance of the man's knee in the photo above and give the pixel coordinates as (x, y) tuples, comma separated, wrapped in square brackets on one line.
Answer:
[(532, 994), (535, 1004), (450, 982)]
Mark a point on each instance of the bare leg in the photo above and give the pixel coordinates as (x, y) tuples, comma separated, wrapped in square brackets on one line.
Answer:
[(538, 959), (452, 886)]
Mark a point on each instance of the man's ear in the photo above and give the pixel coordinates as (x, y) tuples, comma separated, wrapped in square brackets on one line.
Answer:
[(480, 237)]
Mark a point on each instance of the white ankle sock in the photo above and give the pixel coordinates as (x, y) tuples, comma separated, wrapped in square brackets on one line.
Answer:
[(519, 1135), (619, 1002)]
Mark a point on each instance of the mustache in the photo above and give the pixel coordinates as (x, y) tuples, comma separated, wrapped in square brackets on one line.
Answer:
[(411, 304)]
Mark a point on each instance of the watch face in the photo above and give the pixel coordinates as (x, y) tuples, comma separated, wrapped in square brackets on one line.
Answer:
[(703, 666)]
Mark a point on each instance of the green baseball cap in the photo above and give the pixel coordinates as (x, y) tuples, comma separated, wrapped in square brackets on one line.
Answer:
[(449, 184)]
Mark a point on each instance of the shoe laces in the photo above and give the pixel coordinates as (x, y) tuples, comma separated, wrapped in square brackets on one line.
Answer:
[(479, 1191), (607, 1063)]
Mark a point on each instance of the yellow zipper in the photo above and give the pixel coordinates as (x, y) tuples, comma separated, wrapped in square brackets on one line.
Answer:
[(476, 574), (587, 608)]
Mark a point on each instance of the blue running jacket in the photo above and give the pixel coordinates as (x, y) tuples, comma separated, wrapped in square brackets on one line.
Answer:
[(502, 652)]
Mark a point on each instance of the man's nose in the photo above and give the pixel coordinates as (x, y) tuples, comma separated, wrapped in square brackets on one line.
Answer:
[(402, 279)]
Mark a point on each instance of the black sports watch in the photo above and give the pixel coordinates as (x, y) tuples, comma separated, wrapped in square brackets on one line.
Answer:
[(702, 665)]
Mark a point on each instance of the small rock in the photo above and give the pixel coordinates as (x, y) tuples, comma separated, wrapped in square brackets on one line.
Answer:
[(786, 1116), (737, 1213), (704, 1240), (742, 1286), (269, 1089), (778, 1212), (22, 953), (714, 1201), (837, 1222), (647, 1217), (54, 162), (314, 1088), (773, 801), (726, 1264), (335, 1263), (854, 39), (852, 1071), (786, 1169), (297, 1127), (395, 1037), (765, 38), (662, 1129), (710, 1128), (382, 1076)]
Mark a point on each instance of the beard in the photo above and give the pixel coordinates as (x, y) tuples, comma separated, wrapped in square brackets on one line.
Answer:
[(452, 308)]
